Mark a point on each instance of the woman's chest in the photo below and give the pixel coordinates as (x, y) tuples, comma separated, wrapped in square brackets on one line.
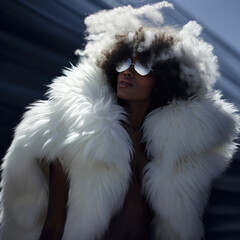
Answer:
[(134, 219)]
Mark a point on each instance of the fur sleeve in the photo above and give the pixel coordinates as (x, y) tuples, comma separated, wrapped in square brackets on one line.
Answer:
[(192, 146), (24, 186)]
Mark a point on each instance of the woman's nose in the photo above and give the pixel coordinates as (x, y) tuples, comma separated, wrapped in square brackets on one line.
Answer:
[(129, 72)]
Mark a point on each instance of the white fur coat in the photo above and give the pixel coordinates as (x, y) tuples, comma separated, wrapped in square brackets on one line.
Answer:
[(189, 142)]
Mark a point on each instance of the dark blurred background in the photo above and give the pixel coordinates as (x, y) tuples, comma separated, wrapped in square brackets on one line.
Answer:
[(38, 39)]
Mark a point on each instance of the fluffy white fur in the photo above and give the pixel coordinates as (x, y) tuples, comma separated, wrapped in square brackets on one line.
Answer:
[(104, 25), (190, 146), (189, 143)]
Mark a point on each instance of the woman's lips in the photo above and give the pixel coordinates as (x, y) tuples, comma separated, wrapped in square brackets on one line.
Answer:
[(125, 82)]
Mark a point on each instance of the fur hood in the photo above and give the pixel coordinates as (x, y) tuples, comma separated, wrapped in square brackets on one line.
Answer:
[(189, 142)]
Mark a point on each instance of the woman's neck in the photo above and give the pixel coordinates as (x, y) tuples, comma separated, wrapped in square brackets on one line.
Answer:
[(137, 111)]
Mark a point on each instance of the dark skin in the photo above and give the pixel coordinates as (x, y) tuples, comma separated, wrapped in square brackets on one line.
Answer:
[(134, 219), (135, 211), (57, 203)]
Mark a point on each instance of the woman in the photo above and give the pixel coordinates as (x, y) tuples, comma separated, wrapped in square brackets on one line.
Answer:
[(133, 221), (134, 135)]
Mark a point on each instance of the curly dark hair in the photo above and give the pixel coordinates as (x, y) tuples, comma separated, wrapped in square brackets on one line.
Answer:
[(168, 86)]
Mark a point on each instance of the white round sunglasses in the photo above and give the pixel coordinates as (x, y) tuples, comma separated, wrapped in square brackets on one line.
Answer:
[(138, 67)]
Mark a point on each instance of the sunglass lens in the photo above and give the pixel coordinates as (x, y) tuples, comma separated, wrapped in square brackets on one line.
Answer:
[(123, 65), (141, 69)]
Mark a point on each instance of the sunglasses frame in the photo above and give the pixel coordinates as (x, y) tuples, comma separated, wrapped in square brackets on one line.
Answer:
[(137, 63)]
